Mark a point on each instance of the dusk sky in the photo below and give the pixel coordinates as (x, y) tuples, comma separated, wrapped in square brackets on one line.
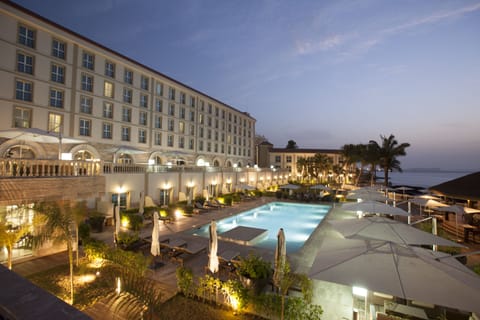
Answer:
[(323, 73)]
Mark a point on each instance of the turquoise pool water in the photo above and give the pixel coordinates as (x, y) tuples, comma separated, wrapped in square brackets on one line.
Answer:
[(297, 220)]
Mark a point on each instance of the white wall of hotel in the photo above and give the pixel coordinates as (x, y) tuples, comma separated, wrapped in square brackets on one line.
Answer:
[(215, 181)]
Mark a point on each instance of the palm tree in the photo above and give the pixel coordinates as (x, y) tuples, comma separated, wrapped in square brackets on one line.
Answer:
[(9, 237), (302, 166), (388, 152), (56, 222)]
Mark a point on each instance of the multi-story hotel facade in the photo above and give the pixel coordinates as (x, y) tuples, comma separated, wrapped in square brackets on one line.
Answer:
[(83, 122)]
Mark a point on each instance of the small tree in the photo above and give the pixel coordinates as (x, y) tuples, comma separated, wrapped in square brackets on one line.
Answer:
[(291, 144), (287, 280), (56, 222), (9, 236)]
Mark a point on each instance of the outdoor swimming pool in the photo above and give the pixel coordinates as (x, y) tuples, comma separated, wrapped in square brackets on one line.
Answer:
[(297, 220)]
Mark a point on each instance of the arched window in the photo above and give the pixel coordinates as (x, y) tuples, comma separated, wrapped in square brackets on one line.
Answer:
[(228, 164), (157, 160), (216, 163), (83, 155), (124, 159), (20, 152)]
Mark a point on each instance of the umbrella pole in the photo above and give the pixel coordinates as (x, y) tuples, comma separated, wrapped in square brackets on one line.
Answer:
[(434, 231)]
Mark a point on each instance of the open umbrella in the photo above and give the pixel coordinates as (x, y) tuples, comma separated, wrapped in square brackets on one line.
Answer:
[(213, 247), (155, 247), (367, 195), (290, 186), (381, 228), (36, 135), (320, 187), (406, 272), (280, 257), (374, 207)]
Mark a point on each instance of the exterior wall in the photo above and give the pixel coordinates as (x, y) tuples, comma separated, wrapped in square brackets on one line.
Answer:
[(219, 132)]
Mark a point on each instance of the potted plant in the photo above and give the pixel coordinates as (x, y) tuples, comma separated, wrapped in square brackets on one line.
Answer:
[(253, 272)]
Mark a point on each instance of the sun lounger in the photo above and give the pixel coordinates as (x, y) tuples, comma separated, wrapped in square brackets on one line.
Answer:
[(210, 204), (200, 206), (188, 251)]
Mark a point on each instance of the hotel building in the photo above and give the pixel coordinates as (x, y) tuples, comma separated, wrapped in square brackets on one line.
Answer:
[(81, 121)]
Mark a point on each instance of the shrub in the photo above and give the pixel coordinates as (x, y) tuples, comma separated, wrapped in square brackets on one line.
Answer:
[(253, 267), (97, 221), (228, 200), (84, 231), (135, 221), (95, 249)]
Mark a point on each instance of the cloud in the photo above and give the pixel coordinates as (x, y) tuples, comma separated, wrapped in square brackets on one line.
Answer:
[(330, 42)]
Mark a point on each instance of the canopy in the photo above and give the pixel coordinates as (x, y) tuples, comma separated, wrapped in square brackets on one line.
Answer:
[(213, 247), (290, 186), (37, 135), (466, 187), (458, 209), (280, 257), (403, 271), (320, 187), (375, 208), (381, 228)]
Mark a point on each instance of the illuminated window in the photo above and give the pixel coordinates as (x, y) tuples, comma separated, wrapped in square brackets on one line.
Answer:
[(22, 117), (108, 89), (54, 122)]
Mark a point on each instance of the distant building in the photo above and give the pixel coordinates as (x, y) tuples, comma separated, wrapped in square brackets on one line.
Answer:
[(285, 158)]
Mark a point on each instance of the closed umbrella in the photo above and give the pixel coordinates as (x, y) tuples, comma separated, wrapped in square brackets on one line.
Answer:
[(117, 222), (141, 208), (374, 207), (381, 228), (213, 246), (155, 247), (280, 257), (406, 272)]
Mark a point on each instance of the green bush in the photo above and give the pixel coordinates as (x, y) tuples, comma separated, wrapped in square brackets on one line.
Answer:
[(135, 221), (253, 267), (228, 200), (95, 249), (96, 221), (83, 231), (126, 239)]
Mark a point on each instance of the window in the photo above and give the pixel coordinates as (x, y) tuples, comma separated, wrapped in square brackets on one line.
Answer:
[(159, 89), (22, 117), (24, 63), (143, 101), (182, 98), (107, 110), (58, 49), (85, 104), (223, 114), (170, 140), (26, 36), (181, 127), (109, 69), (142, 136), (108, 89), (127, 95), (171, 124), (209, 121), (216, 135), (192, 130), (181, 142), (144, 83), (158, 105), (182, 112), (56, 98), (171, 109), (192, 101), (142, 119), (23, 90), (210, 108), (158, 122), (126, 114), (128, 76), (200, 132), (216, 123), (191, 144), (278, 159), (215, 148), (87, 82), (107, 130), (288, 159), (58, 73), (201, 105), (171, 93), (54, 122), (125, 134), (192, 116), (200, 118), (84, 127), (217, 112), (200, 145), (209, 147), (88, 60), (209, 134), (158, 138)]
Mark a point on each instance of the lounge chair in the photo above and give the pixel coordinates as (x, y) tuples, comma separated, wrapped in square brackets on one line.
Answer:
[(216, 202), (190, 250), (200, 206), (210, 204)]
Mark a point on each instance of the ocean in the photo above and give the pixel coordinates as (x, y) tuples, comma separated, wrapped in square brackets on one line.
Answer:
[(424, 179)]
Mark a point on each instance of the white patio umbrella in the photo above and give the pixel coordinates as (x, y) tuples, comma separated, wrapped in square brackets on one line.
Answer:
[(155, 247), (141, 208), (407, 272), (374, 207), (244, 186), (280, 257), (290, 186), (381, 228), (320, 187), (367, 195), (427, 202), (213, 247)]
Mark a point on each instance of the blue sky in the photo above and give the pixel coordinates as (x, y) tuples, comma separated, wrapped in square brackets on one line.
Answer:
[(323, 73)]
